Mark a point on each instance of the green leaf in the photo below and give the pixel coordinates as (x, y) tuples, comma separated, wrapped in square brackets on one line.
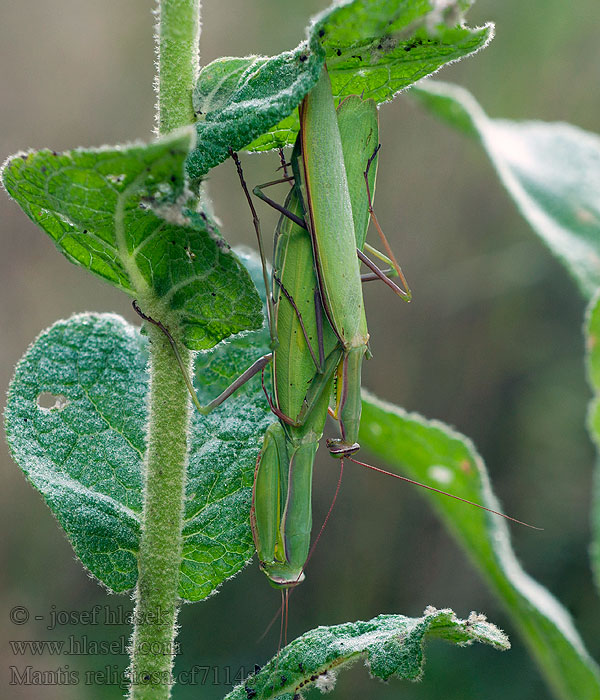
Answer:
[(391, 645), (377, 48), (434, 454), (372, 47), (120, 212), (381, 47), (85, 456), (552, 171), (238, 99), (224, 447)]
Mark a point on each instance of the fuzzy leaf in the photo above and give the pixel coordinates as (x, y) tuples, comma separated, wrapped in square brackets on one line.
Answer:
[(85, 456), (377, 48), (392, 646), (434, 454), (118, 213), (551, 170), (238, 99), (372, 47)]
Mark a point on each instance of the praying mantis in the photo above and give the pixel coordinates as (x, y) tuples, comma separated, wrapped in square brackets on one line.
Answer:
[(317, 296), (316, 317), (318, 242), (334, 192)]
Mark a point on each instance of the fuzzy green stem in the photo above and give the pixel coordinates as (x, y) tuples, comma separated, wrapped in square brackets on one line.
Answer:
[(161, 541), (177, 36), (159, 561)]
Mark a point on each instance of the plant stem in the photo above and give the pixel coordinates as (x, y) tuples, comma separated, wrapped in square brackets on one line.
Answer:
[(159, 561), (177, 35), (161, 542)]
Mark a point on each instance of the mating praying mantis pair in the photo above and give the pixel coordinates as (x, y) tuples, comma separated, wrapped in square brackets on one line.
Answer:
[(316, 317), (319, 319)]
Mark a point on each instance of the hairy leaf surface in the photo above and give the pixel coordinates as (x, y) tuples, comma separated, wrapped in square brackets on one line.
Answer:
[(75, 422), (434, 454), (238, 99), (551, 170), (391, 646), (123, 213), (374, 48)]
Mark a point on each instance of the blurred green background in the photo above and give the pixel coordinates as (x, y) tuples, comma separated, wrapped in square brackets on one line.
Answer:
[(491, 344)]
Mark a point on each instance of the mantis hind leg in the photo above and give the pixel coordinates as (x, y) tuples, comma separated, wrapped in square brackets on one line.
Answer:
[(300, 222), (390, 258), (379, 274), (319, 364), (261, 250), (254, 369), (258, 191)]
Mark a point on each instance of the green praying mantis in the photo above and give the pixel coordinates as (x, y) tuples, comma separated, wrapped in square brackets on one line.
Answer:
[(317, 299), (333, 191), (316, 317)]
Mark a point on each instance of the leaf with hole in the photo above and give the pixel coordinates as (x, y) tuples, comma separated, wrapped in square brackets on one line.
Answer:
[(75, 421)]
